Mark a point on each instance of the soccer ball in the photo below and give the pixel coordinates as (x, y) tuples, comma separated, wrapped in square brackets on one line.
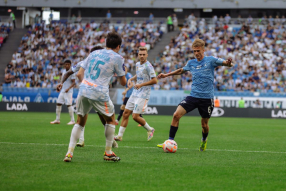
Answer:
[(170, 146)]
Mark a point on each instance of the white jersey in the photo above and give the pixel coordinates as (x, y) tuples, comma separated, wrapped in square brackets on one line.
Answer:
[(100, 67), (68, 83), (144, 72), (76, 67)]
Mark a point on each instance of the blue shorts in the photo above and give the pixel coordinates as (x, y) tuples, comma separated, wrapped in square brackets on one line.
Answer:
[(205, 106)]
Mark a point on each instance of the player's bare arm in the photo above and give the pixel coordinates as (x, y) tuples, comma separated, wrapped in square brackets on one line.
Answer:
[(65, 77), (151, 82), (227, 62), (130, 83), (176, 72), (122, 80), (80, 74)]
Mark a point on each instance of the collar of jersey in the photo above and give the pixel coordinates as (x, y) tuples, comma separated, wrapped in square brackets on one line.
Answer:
[(143, 63), (201, 60)]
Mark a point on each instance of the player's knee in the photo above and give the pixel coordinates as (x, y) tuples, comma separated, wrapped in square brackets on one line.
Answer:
[(176, 116), (135, 116), (125, 114)]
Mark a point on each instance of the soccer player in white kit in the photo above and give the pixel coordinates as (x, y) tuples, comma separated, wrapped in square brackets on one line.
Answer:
[(74, 70), (65, 96), (137, 103), (97, 70)]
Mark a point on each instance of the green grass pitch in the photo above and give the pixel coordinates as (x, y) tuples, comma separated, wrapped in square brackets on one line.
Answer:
[(242, 154)]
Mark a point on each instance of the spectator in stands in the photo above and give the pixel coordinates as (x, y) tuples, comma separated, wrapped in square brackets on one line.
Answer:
[(51, 16), (238, 20), (170, 23), (73, 19), (12, 15), (1, 96), (175, 21), (37, 19), (151, 17), (108, 16), (191, 17), (78, 19), (227, 19), (249, 20), (214, 19)]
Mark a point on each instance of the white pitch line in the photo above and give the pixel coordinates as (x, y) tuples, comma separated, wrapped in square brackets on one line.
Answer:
[(135, 147)]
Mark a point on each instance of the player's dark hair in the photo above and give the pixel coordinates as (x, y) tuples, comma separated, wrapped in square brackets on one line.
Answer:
[(96, 48), (67, 61), (113, 40)]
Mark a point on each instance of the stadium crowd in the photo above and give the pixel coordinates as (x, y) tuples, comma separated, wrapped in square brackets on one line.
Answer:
[(5, 29), (258, 51), (38, 62)]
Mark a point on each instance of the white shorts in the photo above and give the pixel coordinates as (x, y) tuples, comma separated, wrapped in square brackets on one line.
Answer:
[(84, 105), (137, 105), (65, 98)]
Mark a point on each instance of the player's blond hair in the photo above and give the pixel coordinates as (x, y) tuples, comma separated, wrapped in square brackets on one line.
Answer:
[(143, 48), (198, 43)]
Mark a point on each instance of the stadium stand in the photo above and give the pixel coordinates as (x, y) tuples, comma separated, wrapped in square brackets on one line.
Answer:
[(258, 52), (38, 62), (5, 29)]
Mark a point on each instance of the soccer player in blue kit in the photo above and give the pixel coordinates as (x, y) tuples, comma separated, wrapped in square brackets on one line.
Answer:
[(202, 90)]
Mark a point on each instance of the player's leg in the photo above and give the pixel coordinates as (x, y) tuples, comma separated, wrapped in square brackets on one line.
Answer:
[(81, 137), (114, 143), (125, 117), (140, 107), (83, 108), (186, 105), (122, 107), (68, 102), (60, 102), (106, 109), (142, 117), (123, 125), (205, 109)]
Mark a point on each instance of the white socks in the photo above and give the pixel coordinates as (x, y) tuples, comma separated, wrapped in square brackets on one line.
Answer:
[(71, 113), (81, 138), (75, 134), (58, 112), (109, 135), (121, 131), (147, 127)]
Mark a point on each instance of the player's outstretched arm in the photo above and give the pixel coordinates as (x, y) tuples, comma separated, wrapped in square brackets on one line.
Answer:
[(176, 72), (65, 77), (227, 62), (150, 82)]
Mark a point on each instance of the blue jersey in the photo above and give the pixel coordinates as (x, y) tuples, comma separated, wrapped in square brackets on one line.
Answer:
[(203, 76), (129, 92)]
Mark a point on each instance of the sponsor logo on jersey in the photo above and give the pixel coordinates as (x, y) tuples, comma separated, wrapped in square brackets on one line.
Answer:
[(217, 112), (17, 107), (280, 113)]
